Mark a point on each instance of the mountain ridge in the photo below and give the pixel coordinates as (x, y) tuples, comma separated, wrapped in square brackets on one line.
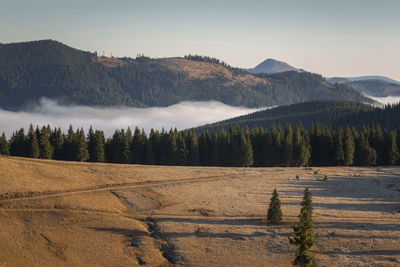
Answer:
[(334, 113), (47, 68), (362, 78)]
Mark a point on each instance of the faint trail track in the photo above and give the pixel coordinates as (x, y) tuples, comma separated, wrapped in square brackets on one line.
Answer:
[(147, 184)]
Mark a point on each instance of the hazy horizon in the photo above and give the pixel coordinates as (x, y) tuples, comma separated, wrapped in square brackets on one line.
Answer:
[(333, 38)]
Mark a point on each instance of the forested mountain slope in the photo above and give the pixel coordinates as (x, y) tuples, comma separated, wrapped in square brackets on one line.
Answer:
[(375, 88), (32, 70), (331, 113)]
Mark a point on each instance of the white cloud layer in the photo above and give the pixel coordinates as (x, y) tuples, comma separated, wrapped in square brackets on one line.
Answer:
[(182, 115), (387, 99)]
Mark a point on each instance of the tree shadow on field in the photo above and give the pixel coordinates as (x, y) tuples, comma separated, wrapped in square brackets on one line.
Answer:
[(214, 221), (357, 226), (383, 187), (121, 231), (382, 207), (233, 236), (260, 228), (364, 190), (382, 252)]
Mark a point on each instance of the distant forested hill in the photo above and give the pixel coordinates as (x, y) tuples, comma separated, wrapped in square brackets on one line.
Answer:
[(375, 88), (32, 70), (331, 113)]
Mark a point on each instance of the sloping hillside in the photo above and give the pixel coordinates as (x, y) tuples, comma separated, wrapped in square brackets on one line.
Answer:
[(362, 78), (32, 70), (331, 113), (88, 214), (375, 88)]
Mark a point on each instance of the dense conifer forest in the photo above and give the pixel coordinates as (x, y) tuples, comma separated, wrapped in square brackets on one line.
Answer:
[(32, 70), (320, 145), (332, 113)]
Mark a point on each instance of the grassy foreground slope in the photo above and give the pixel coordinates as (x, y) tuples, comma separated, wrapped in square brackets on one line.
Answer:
[(85, 214)]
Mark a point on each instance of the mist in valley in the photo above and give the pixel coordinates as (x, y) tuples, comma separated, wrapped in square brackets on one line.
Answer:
[(182, 115), (387, 99)]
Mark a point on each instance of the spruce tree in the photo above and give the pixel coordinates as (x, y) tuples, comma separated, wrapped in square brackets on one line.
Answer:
[(287, 147), (391, 154), (258, 144), (108, 150), (163, 148), (81, 152), (4, 146), (274, 210), (215, 150), (99, 154), (339, 147), (172, 148), (192, 145), (377, 142), (33, 144), (126, 152), (301, 147), (138, 147), (153, 148), (115, 146), (18, 144), (276, 136), (46, 150), (365, 155), (181, 149), (91, 140), (303, 233), (57, 140), (243, 155), (96, 145), (70, 144), (349, 147), (204, 148), (150, 156)]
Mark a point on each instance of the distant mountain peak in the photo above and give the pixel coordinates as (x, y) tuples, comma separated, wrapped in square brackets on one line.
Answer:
[(271, 65)]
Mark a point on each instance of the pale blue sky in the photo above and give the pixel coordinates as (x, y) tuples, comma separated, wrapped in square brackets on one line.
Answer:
[(334, 38)]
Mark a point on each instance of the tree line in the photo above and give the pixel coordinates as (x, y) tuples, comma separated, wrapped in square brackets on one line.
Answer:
[(320, 145)]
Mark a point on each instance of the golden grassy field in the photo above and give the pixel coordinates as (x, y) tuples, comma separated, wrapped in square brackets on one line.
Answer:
[(56, 213)]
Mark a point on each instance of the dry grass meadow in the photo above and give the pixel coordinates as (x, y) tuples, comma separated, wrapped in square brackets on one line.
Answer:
[(83, 214)]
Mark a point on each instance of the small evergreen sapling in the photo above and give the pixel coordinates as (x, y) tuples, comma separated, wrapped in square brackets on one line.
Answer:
[(274, 211)]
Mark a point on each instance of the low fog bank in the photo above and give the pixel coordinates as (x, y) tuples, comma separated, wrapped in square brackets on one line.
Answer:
[(387, 99), (182, 115)]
